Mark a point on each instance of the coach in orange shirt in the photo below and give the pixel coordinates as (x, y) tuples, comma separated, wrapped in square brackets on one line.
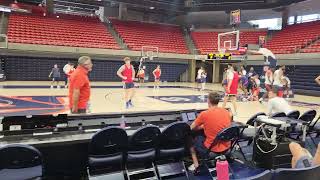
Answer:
[(211, 121), (79, 87)]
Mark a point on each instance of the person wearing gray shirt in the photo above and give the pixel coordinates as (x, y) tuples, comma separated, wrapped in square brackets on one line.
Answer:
[(55, 75)]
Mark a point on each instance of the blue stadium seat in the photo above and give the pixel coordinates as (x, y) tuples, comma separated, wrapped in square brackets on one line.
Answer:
[(18, 161), (107, 150), (172, 148), (278, 114), (265, 175), (142, 151), (310, 173)]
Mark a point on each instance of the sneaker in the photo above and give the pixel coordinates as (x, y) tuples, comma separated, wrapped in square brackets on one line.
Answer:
[(191, 167), (260, 100), (194, 170), (130, 104), (58, 87), (51, 87)]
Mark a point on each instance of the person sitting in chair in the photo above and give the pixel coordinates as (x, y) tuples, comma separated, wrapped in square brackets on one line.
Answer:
[(277, 104), (301, 158), (211, 121)]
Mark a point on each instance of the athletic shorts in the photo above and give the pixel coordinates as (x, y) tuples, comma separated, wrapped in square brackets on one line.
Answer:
[(56, 79), (199, 146), (202, 80), (244, 83), (128, 85), (224, 82), (268, 87), (231, 95), (80, 111), (303, 162)]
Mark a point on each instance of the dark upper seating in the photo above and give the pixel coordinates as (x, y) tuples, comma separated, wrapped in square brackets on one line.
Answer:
[(168, 38), (67, 30)]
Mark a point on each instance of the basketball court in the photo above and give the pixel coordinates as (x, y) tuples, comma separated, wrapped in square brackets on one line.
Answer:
[(25, 98)]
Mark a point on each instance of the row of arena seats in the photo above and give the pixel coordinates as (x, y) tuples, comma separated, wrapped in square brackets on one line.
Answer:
[(303, 78), (313, 48), (70, 30), (115, 155), (207, 42), (294, 37), (168, 38), (50, 30)]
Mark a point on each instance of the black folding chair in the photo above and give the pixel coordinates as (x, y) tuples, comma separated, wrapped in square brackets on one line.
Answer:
[(142, 151), (19, 161), (308, 117), (173, 142), (107, 150), (230, 134), (310, 173), (247, 134)]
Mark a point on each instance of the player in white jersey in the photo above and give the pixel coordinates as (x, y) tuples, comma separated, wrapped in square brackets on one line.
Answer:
[(277, 80), (199, 76)]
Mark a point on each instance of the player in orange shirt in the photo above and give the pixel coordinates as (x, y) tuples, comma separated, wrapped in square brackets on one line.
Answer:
[(211, 121)]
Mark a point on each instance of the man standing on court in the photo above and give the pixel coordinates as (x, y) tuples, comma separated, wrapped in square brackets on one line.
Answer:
[(318, 80), (126, 73), (277, 80), (157, 73), (267, 83), (232, 88), (66, 69), (79, 87)]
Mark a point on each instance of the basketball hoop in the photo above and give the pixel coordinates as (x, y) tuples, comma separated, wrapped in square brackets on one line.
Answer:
[(228, 41), (150, 55), (149, 52)]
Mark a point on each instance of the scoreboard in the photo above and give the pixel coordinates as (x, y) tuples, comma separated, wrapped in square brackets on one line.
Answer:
[(220, 56)]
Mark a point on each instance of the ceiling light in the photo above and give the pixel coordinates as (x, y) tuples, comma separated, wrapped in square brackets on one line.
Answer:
[(151, 7)]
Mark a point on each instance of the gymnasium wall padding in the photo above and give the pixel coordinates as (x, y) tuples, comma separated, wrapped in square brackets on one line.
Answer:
[(22, 68)]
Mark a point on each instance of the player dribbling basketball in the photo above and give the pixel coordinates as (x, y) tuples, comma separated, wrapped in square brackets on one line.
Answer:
[(126, 73)]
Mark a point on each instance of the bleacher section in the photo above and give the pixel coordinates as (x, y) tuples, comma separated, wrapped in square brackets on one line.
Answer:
[(67, 30), (20, 68), (207, 42), (302, 79), (294, 37), (313, 48), (167, 38)]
